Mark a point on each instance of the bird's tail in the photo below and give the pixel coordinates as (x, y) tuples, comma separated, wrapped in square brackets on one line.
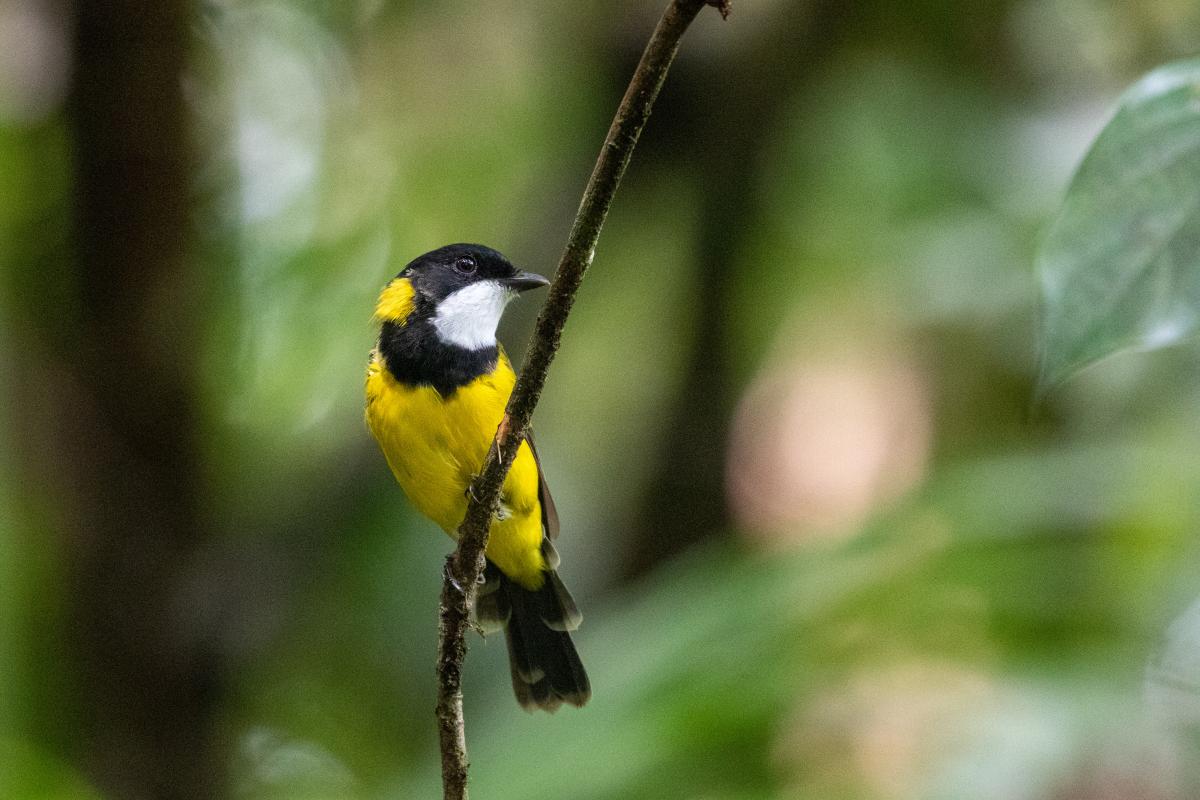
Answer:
[(546, 670)]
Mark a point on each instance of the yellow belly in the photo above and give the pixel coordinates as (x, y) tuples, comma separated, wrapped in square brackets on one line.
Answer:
[(435, 445)]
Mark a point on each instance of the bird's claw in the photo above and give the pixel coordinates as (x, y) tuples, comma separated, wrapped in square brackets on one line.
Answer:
[(448, 573)]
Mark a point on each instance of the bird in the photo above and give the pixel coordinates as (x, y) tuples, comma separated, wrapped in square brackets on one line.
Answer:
[(437, 386)]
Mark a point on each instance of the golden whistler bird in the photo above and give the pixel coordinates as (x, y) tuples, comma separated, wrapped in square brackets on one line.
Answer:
[(437, 386)]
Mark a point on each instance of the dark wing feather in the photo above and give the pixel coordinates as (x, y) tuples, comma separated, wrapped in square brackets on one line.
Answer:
[(549, 512)]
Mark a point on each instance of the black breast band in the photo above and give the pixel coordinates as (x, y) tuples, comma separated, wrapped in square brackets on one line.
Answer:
[(414, 355)]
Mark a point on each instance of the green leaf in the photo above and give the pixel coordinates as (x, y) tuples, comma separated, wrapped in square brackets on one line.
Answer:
[(1120, 267)]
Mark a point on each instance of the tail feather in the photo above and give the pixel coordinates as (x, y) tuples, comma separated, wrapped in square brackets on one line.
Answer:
[(492, 609), (555, 606), (550, 553), (546, 670)]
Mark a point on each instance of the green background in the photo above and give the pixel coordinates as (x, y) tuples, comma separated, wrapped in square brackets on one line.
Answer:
[(826, 544)]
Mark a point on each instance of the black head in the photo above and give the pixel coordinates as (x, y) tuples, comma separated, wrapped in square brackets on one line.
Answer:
[(442, 272), (458, 292), (439, 316)]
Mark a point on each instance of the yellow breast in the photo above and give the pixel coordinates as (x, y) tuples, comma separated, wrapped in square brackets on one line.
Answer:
[(435, 445)]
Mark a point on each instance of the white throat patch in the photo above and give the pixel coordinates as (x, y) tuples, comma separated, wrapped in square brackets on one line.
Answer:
[(468, 317)]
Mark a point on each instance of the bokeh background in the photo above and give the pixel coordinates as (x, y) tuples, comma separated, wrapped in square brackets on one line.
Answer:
[(826, 544)]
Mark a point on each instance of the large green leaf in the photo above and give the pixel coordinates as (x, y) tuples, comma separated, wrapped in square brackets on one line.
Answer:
[(1120, 268)]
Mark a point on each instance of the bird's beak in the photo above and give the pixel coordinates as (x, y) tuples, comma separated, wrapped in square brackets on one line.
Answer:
[(523, 281)]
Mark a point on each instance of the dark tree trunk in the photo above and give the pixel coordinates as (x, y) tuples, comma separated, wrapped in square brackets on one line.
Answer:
[(685, 502), (124, 416)]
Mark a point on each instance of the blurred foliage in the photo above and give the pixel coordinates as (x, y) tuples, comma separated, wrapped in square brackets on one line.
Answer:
[(995, 600), (1119, 267)]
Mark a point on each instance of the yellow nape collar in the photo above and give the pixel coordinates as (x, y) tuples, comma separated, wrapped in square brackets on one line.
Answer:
[(395, 301)]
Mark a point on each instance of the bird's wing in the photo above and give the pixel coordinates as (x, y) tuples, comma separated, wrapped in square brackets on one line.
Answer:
[(549, 512)]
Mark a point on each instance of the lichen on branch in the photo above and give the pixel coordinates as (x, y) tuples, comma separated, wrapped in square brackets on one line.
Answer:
[(464, 567)]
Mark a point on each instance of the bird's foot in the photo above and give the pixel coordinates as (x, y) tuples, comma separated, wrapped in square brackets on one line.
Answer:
[(448, 574)]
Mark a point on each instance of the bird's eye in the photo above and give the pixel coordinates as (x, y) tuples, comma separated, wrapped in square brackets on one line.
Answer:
[(466, 265)]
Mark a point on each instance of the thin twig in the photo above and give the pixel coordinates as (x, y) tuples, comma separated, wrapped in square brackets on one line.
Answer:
[(466, 565)]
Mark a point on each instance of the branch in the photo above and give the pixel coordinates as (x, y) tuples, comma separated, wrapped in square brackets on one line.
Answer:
[(465, 566)]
